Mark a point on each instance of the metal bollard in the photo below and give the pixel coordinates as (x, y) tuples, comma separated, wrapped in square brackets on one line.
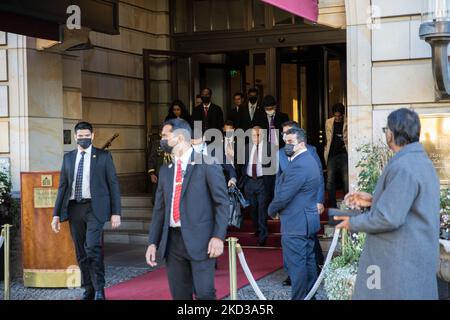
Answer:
[(232, 241), (6, 229)]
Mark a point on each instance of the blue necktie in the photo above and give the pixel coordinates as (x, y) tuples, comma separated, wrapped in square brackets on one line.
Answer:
[(79, 180)]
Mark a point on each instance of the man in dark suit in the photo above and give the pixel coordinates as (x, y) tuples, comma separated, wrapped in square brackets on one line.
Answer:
[(210, 114), (190, 216), (248, 111), (88, 196), (295, 201), (234, 114), (271, 119), (283, 163), (256, 183)]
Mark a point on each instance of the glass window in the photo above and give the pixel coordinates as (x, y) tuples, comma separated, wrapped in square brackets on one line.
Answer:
[(202, 16), (258, 14), (281, 17), (180, 16), (236, 14), (219, 15)]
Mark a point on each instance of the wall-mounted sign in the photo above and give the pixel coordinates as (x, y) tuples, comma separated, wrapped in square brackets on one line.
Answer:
[(46, 180), (44, 197), (435, 137)]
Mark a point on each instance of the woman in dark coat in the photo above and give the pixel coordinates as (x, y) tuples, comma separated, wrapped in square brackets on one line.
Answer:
[(178, 110)]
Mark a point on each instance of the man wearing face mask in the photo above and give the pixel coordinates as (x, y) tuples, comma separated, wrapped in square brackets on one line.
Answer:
[(190, 216), (248, 111), (271, 119), (209, 113), (283, 163), (295, 201), (88, 196)]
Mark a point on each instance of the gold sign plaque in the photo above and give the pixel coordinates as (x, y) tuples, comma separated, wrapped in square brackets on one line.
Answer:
[(46, 180), (44, 197), (435, 137)]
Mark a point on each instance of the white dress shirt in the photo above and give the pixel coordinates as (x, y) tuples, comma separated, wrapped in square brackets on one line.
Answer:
[(275, 136), (185, 159), (86, 188), (251, 110), (225, 148), (259, 170), (295, 156)]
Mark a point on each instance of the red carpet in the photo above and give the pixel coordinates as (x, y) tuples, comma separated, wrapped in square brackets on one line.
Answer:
[(154, 285)]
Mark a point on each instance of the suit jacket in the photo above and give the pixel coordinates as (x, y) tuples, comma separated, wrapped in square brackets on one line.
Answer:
[(215, 116), (233, 115), (402, 230), (229, 169), (284, 161), (329, 128), (269, 179), (245, 121), (295, 197), (204, 207), (261, 120), (104, 185)]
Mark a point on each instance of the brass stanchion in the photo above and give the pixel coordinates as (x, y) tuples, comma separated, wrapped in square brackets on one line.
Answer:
[(6, 229), (232, 241)]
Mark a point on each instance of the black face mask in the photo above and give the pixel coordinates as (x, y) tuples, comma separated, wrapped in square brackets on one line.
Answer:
[(85, 142), (205, 99), (164, 144), (289, 150), (252, 99)]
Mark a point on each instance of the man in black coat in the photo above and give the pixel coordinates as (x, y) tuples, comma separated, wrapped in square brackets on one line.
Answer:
[(190, 216), (271, 119), (88, 196), (248, 110), (234, 114), (210, 114)]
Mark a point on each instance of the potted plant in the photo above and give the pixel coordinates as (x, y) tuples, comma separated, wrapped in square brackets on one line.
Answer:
[(340, 275)]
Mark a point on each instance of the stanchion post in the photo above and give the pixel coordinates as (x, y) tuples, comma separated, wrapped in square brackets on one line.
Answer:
[(6, 229), (232, 241)]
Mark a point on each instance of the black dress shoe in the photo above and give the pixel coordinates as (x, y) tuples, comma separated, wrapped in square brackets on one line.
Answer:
[(287, 282), (88, 294), (100, 295)]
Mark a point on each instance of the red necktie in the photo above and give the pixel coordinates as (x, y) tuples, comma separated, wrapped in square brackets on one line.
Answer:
[(177, 196), (206, 112)]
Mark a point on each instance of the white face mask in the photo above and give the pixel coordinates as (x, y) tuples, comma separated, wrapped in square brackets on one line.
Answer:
[(270, 113)]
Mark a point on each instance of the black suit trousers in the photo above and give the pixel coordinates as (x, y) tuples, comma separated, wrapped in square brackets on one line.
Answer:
[(87, 234), (186, 276)]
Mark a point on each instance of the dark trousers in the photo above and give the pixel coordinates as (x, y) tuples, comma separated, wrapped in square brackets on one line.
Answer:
[(298, 254), (256, 194), (185, 275), (87, 234), (318, 255), (335, 164)]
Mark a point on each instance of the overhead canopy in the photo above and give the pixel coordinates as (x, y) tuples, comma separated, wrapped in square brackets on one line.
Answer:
[(303, 8), (43, 18)]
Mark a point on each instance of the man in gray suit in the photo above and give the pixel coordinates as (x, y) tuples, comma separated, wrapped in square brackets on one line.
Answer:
[(190, 216), (400, 256)]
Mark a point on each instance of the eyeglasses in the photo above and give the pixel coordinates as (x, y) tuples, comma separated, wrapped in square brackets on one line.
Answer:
[(385, 129)]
